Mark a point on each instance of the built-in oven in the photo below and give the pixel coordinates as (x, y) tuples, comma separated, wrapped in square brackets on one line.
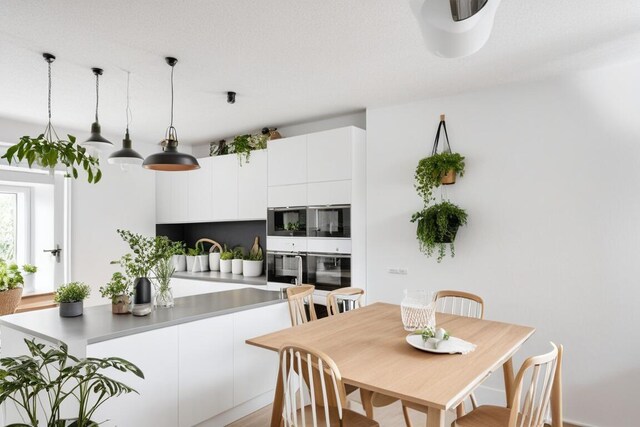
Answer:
[(287, 268), (287, 221), (328, 271), (329, 221)]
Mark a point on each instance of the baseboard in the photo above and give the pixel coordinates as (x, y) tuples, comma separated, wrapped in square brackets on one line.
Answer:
[(239, 411)]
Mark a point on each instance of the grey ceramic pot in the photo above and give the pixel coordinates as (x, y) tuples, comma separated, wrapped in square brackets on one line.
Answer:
[(71, 309)]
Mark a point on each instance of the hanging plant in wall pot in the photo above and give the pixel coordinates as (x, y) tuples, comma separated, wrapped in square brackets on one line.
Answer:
[(437, 227), (436, 170)]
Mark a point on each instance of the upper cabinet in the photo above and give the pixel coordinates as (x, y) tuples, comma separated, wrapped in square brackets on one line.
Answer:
[(288, 161), (200, 181), (225, 188), (329, 155), (252, 188)]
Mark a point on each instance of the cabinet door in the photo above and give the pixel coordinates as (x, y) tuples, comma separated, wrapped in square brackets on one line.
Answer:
[(206, 369), (200, 182), (283, 196), (163, 197), (252, 187), (329, 155), (154, 352), (225, 187), (288, 161), (179, 184), (189, 287), (329, 193), (256, 369)]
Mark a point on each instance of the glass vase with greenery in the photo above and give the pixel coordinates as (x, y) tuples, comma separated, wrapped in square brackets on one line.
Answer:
[(164, 269), (437, 227)]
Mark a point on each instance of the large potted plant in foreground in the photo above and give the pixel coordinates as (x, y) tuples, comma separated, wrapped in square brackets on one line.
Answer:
[(41, 382), (438, 226), (11, 285), (119, 290), (70, 297)]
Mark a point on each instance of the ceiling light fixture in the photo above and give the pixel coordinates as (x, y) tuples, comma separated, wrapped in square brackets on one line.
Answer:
[(231, 97), (127, 155), (169, 159), (96, 140), (455, 28)]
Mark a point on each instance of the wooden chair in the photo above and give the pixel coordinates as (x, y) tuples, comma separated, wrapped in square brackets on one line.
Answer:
[(312, 391), (347, 298), (540, 379), (300, 297)]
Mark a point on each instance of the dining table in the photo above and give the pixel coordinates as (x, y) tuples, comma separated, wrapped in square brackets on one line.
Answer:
[(370, 349)]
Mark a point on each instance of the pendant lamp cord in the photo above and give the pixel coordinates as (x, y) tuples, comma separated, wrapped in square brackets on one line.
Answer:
[(128, 111), (171, 124), (49, 131), (49, 92), (97, 94)]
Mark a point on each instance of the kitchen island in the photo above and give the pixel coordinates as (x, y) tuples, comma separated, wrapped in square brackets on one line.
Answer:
[(198, 369)]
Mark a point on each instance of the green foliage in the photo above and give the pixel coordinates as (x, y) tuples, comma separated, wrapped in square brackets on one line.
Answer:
[(72, 292), (226, 253), (437, 227), (430, 171), (163, 271), (198, 250), (47, 153), (256, 256), (54, 373), (8, 230), (292, 226), (118, 285), (238, 252), (11, 275), (243, 145), (146, 252)]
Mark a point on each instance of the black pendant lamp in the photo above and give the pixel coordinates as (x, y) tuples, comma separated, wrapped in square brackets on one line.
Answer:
[(96, 140), (127, 155), (169, 159)]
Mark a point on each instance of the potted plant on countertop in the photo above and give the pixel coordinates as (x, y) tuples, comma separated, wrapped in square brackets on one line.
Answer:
[(225, 260), (214, 258), (238, 257), (11, 285), (40, 383), (119, 290), (70, 297), (252, 266), (197, 259), (179, 259), (163, 270), (438, 226)]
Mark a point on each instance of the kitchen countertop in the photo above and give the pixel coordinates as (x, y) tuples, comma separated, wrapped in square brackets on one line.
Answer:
[(99, 324), (216, 276)]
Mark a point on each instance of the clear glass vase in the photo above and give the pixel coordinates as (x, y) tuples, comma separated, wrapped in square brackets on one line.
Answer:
[(164, 297), (418, 310)]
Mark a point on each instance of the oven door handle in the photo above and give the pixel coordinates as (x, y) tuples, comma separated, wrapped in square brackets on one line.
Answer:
[(328, 254), (302, 254), (329, 207)]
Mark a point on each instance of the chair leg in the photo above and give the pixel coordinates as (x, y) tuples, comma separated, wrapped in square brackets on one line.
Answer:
[(460, 410), (474, 402), (365, 396), (405, 414)]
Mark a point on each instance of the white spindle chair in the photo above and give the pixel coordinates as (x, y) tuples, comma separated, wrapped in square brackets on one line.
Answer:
[(347, 298), (460, 303), (539, 379), (313, 391), (298, 297)]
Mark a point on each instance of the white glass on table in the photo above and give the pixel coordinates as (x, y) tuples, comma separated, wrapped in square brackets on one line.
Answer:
[(418, 310)]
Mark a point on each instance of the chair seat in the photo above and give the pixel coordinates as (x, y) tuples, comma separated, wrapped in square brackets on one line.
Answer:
[(349, 418), (485, 416)]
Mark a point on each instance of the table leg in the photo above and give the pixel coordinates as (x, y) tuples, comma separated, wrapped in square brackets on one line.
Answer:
[(435, 417), (507, 368), (276, 412), (365, 396)]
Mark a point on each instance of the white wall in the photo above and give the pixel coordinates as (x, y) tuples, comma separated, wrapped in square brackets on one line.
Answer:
[(552, 192)]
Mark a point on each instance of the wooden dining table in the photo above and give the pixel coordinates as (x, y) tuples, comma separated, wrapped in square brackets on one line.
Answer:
[(368, 345)]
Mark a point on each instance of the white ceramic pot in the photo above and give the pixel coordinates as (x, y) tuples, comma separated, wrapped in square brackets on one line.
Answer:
[(225, 266), (201, 263), (251, 268), (179, 262), (236, 266), (214, 261), (190, 261)]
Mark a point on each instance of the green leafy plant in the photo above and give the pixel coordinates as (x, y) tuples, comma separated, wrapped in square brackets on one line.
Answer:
[(437, 227), (163, 272), (57, 376), (256, 256), (431, 169), (243, 145), (238, 252), (47, 151), (146, 252), (197, 250), (117, 286), (292, 226), (11, 276), (226, 253), (72, 292)]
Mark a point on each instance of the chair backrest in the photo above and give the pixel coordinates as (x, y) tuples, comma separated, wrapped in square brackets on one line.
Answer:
[(347, 298), (311, 380), (299, 297), (460, 303), (533, 389)]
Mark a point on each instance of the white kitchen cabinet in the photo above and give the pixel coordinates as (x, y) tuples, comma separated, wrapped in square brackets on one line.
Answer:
[(225, 188), (163, 197), (179, 185), (255, 369), (252, 187), (286, 244), (329, 193), (200, 182), (154, 352), (188, 287), (287, 195), (206, 369), (329, 155), (288, 161)]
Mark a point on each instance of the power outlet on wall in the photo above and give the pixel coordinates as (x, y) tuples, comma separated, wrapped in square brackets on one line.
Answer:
[(393, 270)]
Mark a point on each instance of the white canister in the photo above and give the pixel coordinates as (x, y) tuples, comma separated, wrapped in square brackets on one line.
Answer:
[(190, 261), (236, 266), (179, 262), (251, 268), (225, 266), (214, 261)]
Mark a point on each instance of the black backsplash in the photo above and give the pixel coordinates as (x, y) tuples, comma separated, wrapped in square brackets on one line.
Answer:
[(233, 233)]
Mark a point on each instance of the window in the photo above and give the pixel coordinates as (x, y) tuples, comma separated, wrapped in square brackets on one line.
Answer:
[(15, 219)]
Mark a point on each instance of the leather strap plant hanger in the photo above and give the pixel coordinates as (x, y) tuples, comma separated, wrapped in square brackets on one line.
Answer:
[(450, 176)]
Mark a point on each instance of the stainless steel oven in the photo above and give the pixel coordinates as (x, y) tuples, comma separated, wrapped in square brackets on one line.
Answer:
[(329, 221), (287, 268), (328, 272), (287, 221)]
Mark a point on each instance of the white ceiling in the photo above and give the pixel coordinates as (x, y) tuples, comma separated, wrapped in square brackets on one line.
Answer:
[(288, 60)]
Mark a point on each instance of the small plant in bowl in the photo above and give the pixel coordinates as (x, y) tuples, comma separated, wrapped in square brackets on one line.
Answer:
[(438, 169), (238, 257), (252, 265), (438, 226), (70, 297), (226, 258), (119, 290), (197, 258)]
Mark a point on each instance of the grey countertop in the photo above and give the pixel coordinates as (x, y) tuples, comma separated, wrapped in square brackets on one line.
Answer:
[(216, 276), (99, 324)]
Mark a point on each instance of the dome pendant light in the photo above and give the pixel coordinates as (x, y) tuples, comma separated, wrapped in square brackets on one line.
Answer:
[(127, 155), (169, 159), (96, 140)]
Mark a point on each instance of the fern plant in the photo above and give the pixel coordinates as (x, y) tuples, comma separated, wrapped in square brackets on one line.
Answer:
[(431, 169), (437, 228)]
